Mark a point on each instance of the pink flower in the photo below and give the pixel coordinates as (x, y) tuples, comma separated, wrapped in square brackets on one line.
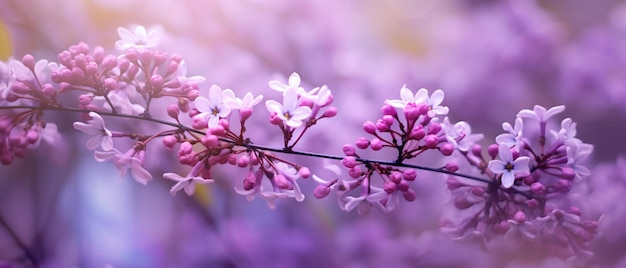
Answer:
[(187, 183), (139, 39), (289, 112), (95, 127), (507, 166), (214, 107), (132, 160)]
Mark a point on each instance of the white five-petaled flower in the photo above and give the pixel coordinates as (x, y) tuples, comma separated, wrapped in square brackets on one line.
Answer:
[(363, 202), (421, 96), (460, 134), (507, 166), (247, 102), (540, 113), (95, 127), (187, 183), (514, 136), (292, 83), (132, 160), (291, 114), (139, 38), (213, 107)]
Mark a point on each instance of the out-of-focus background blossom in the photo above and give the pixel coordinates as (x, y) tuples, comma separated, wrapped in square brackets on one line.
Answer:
[(491, 58)]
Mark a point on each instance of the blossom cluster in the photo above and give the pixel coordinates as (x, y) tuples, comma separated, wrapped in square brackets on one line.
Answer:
[(513, 188)]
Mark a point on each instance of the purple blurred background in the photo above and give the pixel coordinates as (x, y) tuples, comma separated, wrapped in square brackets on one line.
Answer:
[(491, 58)]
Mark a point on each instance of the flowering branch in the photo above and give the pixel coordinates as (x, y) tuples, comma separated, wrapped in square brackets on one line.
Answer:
[(510, 189)]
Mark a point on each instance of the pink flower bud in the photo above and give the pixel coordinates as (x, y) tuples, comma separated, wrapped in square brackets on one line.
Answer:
[(84, 99), (409, 174), (411, 112), (537, 187), (389, 187), (423, 108), (452, 166), (395, 177), (388, 120), (243, 161), (349, 150), (447, 149), (306, 102), (369, 127), (330, 112), (109, 62), (532, 203), (281, 181), (362, 143), (217, 130), (110, 84), (231, 159), (91, 69), (376, 144), (210, 141), (29, 61), (477, 150), (48, 90), (403, 185), (568, 173), (304, 172), (249, 182), (321, 191), (169, 142), (156, 81), (431, 141), (275, 120), (519, 217), (32, 136), (434, 128), (453, 183), (244, 114), (492, 150), (417, 133), (409, 195), (389, 110), (477, 191), (173, 111), (355, 172), (349, 162)]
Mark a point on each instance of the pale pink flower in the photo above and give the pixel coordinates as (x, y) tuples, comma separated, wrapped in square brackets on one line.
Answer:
[(139, 38), (214, 107), (132, 160), (95, 127), (507, 166), (291, 114), (187, 183)]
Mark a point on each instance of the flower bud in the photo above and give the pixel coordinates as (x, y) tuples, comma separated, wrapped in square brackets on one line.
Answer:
[(452, 166), (376, 144), (349, 162), (173, 111), (243, 161), (409, 174), (431, 141), (447, 149), (330, 112), (389, 187), (417, 133), (434, 128), (369, 127), (304, 172), (169, 142), (244, 114), (492, 150), (409, 195), (281, 181), (321, 191), (349, 150), (389, 110), (519, 217), (29, 61), (362, 143)]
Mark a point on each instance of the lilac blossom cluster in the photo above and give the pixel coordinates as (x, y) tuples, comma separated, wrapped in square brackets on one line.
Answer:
[(514, 188)]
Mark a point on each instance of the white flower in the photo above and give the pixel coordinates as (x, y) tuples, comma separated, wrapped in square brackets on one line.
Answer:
[(139, 39), (540, 113), (292, 83), (507, 166), (460, 134), (95, 127), (181, 73), (575, 154), (421, 96), (247, 102), (364, 202), (132, 160), (187, 183), (213, 107), (323, 96), (289, 111), (514, 135), (407, 97)]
